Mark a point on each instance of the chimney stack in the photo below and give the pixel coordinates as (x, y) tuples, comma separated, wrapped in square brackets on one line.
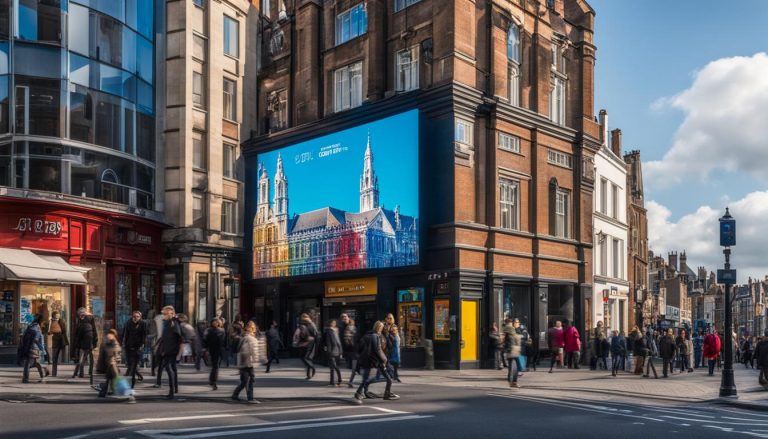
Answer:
[(604, 127), (683, 263), (672, 256), (616, 142)]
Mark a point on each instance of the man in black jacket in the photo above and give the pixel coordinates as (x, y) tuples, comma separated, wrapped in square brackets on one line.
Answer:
[(214, 341), (134, 336), (668, 350), (372, 356), (85, 341), (168, 347)]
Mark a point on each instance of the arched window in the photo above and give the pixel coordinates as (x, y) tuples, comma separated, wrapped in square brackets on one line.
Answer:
[(513, 54), (110, 189), (513, 43)]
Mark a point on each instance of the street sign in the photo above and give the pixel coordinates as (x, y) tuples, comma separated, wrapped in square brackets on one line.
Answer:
[(727, 230), (726, 276)]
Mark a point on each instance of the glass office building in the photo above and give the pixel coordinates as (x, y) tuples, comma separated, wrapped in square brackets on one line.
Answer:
[(77, 98)]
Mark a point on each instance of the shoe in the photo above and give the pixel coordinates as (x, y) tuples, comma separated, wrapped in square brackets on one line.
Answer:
[(499, 368), (214, 386), (391, 397), (140, 378), (338, 384), (398, 380), (646, 376), (550, 371), (47, 372), (266, 371), (514, 384), (131, 400), (313, 372), (358, 398), (350, 385), (371, 395), (254, 401), (24, 381), (156, 386), (169, 396), (235, 398)]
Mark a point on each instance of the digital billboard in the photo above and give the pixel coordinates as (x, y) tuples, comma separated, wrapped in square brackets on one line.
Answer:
[(343, 201)]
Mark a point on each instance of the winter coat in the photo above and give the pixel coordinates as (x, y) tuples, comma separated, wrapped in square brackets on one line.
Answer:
[(331, 343), (305, 335), (598, 333), (349, 339), (512, 342), (494, 339), (711, 346), (682, 345), (649, 346), (638, 347), (667, 347), (394, 353), (618, 346), (170, 338), (109, 358), (86, 337), (189, 334), (555, 338), (369, 351), (248, 352), (273, 340), (134, 334), (572, 340), (60, 339), (698, 342), (761, 353), (32, 343), (214, 341)]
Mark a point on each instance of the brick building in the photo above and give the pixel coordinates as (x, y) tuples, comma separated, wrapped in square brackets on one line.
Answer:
[(503, 93), (637, 259)]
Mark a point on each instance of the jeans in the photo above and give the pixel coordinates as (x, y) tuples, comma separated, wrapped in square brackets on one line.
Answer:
[(697, 358), (306, 358), (333, 364), (132, 362), (711, 365), (497, 358), (31, 362), (85, 355), (168, 363), (669, 365), (683, 362), (214, 376), (366, 375), (616, 363), (57, 352), (271, 356), (572, 359), (512, 377), (649, 366), (247, 378)]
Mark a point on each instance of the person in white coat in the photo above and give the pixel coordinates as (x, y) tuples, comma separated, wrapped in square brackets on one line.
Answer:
[(247, 359)]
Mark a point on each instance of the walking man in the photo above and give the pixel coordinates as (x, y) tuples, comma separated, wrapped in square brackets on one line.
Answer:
[(668, 350), (618, 351), (494, 345), (638, 349), (169, 345), (134, 335), (371, 356), (85, 341), (649, 351), (698, 345), (31, 349), (332, 348), (711, 350), (273, 345), (512, 349), (305, 338), (761, 356), (214, 341)]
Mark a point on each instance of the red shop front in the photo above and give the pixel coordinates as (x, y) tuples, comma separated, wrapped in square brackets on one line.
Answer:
[(119, 254)]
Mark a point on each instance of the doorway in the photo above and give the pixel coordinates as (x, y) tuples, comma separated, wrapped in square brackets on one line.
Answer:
[(469, 319)]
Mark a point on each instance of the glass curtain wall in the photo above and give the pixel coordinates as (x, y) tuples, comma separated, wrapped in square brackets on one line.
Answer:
[(77, 96)]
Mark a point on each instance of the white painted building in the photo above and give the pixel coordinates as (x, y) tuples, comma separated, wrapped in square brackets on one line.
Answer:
[(610, 298)]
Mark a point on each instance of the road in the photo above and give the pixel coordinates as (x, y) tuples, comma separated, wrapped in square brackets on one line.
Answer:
[(424, 411)]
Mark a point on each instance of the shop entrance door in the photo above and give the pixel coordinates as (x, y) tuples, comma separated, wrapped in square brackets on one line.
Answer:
[(469, 319), (364, 315)]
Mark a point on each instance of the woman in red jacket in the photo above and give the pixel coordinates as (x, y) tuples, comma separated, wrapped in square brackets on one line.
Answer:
[(572, 346), (711, 350)]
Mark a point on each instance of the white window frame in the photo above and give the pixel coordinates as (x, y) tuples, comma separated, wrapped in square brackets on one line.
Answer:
[(559, 158), (604, 196), (603, 251), (200, 215), (508, 142), (402, 4), (509, 204), (615, 256), (514, 84), (229, 219), (464, 131), (513, 44), (229, 100), (348, 86), (615, 201), (407, 69), (229, 156), (557, 96), (199, 150), (562, 213), (354, 29), (198, 96), (227, 36)]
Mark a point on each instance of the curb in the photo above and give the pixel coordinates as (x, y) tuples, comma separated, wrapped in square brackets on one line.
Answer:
[(748, 405)]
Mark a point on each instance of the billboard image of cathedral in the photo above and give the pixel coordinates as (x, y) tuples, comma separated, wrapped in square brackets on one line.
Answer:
[(349, 214)]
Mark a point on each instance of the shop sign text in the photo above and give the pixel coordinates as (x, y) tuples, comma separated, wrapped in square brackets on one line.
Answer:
[(38, 226)]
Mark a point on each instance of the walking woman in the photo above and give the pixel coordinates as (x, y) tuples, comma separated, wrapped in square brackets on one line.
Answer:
[(214, 341), (512, 348), (332, 348), (247, 359), (32, 347), (58, 330), (394, 351)]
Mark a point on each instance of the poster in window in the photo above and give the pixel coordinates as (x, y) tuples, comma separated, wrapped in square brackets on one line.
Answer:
[(442, 320)]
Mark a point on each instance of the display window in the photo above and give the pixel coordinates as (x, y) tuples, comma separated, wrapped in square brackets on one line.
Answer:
[(42, 299), (442, 320), (410, 311), (8, 312)]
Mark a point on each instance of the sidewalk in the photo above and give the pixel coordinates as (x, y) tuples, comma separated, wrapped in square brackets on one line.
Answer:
[(286, 382)]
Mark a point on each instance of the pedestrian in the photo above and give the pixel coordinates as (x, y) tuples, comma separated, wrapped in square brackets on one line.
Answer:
[(711, 350), (151, 345), (170, 339), (305, 339), (684, 347), (512, 350), (494, 345), (85, 341), (134, 336), (618, 350), (746, 351), (698, 345), (333, 350), (274, 344), (556, 344), (572, 345), (351, 339), (638, 350), (191, 346), (31, 349), (761, 356), (233, 340), (371, 356), (247, 359), (202, 357), (107, 364), (668, 351), (650, 349), (214, 341), (394, 351), (58, 330)]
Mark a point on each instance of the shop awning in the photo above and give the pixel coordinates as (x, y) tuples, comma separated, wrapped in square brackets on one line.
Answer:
[(24, 265)]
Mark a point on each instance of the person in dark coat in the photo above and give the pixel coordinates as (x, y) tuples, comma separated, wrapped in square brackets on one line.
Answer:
[(371, 356), (169, 345), (341, 324), (57, 328), (85, 341), (305, 338), (214, 342), (760, 355), (134, 336), (32, 347), (618, 351), (274, 344), (350, 340), (107, 364), (668, 350), (649, 350), (333, 350)]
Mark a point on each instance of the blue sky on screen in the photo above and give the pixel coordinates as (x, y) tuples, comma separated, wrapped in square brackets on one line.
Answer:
[(325, 171)]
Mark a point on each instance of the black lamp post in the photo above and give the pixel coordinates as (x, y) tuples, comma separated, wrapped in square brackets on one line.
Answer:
[(727, 277)]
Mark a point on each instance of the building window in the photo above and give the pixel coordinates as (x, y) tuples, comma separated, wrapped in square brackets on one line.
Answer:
[(513, 55), (402, 4), (560, 159), (604, 196), (603, 255), (198, 150), (349, 86), (229, 160), (407, 65), (463, 132), (351, 24), (509, 191), (230, 99), (514, 85), (198, 90), (199, 50), (562, 216), (618, 258), (615, 201), (231, 37), (277, 108), (509, 142), (199, 3), (557, 100), (266, 7), (198, 211), (558, 58), (513, 44), (228, 217)]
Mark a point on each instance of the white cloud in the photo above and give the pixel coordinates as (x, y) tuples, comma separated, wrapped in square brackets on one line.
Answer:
[(697, 234), (725, 125)]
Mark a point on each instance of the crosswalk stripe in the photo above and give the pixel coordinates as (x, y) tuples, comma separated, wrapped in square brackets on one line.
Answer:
[(232, 415)]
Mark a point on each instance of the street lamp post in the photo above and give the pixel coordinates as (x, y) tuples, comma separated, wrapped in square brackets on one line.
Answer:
[(727, 276)]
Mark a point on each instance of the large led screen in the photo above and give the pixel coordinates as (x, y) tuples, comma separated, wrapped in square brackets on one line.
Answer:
[(344, 201)]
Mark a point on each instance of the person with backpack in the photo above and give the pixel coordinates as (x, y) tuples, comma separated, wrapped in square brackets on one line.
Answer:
[(214, 341), (58, 330), (618, 351), (711, 350), (107, 364), (85, 341), (305, 339), (638, 350), (332, 348), (170, 339), (30, 350), (274, 344), (247, 359), (233, 340), (372, 356)]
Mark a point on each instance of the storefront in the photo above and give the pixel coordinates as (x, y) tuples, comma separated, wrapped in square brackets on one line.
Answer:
[(107, 262)]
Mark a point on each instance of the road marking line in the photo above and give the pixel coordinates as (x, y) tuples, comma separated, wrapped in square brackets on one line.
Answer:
[(759, 424), (232, 415), (149, 433), (730, 430), (574, 406), (385, 410)]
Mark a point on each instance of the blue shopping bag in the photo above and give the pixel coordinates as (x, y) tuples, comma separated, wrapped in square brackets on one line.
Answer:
[(121, 387), (523, 359)]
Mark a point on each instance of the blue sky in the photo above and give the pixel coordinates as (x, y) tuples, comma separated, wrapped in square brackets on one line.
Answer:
[(325, 171), (659, 66)]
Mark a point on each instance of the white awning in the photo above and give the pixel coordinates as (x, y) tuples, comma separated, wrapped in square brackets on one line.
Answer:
[(27, 266)]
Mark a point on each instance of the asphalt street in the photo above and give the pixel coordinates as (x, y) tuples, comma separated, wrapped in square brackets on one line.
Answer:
[(424, 411)]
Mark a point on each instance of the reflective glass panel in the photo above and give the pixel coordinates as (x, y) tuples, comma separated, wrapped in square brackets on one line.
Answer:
[(145, 97), (231, 36), (4, 104), (38, 106), (34, 60), (4, 59), (129, 50), (40, 20), (144, 59), (80, 114), (145, 136), (79, 28), (146, 14)]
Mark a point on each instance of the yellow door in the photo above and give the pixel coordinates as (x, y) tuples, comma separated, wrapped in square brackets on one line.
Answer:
[(469, 330)]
